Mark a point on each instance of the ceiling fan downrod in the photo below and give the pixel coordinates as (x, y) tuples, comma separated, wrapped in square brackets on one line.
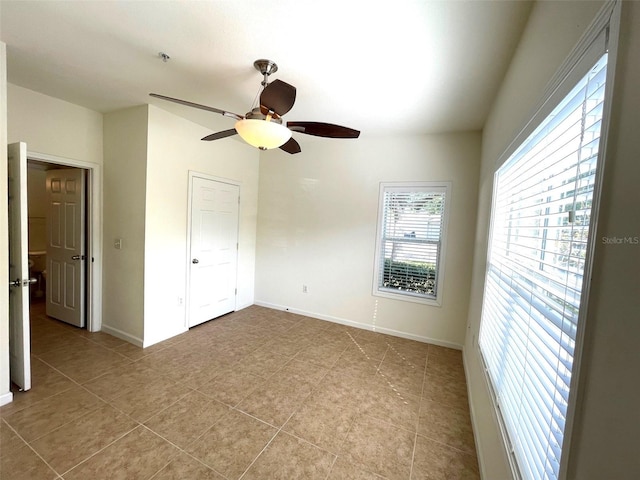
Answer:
[(266, 68)]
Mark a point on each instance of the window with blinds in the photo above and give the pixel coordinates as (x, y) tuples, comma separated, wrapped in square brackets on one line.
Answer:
[(409, 254), (537, 251)]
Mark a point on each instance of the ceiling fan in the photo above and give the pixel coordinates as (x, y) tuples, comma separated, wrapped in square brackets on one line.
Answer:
[(262, 127)]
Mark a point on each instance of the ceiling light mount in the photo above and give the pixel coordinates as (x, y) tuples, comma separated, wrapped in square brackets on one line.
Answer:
[(266, 68)]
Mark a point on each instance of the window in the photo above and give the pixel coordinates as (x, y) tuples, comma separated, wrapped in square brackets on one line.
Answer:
[(542, 209), (410, 243)]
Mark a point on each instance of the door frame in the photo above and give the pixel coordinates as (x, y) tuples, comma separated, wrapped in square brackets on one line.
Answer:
[(206, 176), (94, 232)]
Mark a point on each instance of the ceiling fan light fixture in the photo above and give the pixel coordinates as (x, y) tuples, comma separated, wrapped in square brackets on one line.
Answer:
[(262, 134)]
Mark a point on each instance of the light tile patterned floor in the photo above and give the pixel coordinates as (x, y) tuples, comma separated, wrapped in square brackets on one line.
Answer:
[(257, 394)]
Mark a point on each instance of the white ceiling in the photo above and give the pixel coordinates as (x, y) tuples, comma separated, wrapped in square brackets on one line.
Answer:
[(381, 67)]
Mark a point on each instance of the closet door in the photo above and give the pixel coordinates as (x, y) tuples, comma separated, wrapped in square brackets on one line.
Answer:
[(213, 249)]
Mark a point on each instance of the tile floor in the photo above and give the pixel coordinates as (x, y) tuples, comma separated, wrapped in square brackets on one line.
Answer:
[(256, 394)]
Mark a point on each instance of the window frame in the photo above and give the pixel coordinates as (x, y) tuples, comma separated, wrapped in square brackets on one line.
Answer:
[(434, 186)]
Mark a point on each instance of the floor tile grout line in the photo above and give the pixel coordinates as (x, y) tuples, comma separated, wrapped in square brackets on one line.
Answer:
[(65, 424), (181, 450), (59, 393), (28, 445), (266, 446), (91, 344), (424, 375), (280, 429), (192, 442), (444, 444), (50, 365), (333, 464), (413, 455), (115, 407), (102, 449)]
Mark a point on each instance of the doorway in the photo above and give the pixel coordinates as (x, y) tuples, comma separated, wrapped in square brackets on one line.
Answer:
[(57, 219), (38, 165)]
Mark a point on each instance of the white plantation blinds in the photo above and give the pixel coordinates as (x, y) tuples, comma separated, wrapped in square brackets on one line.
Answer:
[(537, 249), (410, 239)]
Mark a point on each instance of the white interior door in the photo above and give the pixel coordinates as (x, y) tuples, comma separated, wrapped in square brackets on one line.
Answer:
[(214, 249), (66, 254), (19, 337)]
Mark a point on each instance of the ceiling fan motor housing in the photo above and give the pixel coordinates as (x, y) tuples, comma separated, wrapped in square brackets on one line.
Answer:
[(256, 114)]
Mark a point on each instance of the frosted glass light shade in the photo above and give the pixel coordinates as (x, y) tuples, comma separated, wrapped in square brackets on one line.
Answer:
[(262, 134)]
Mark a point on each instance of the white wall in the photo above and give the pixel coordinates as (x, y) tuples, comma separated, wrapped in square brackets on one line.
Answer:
[(124, 192), (54, 127), (174, 148), (317, 226), (5, 383), (604, 439)]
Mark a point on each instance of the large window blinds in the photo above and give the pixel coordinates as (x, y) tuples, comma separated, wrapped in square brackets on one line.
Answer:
[(537, 250)]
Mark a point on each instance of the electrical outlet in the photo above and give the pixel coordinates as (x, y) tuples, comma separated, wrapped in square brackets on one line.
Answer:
[(305, 289), (180, 300), (117, 243)]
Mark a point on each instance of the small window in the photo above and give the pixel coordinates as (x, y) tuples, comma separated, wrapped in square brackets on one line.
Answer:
[(410, 242)]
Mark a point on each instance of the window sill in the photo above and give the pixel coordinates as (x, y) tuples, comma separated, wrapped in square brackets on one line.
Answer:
[(408, 297)]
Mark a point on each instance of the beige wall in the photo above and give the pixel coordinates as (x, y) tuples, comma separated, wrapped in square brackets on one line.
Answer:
[(174, 148), (317, 226), (604, 440), (124, 191), (54, 127)]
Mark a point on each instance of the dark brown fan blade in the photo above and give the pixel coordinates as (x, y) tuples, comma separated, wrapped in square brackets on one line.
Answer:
[(278, 97), (320, 129), (219, 135), (197, 105), (291, 146)]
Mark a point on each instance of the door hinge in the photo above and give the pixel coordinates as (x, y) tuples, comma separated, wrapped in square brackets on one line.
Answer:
[(236, 291)]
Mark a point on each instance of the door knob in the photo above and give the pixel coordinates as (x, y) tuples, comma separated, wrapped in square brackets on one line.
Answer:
[(22, 283), (195, 260), (77, 257)]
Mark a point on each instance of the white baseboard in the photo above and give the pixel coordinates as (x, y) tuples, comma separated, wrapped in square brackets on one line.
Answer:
[(364, 326), (6, 398), (122, 335)]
